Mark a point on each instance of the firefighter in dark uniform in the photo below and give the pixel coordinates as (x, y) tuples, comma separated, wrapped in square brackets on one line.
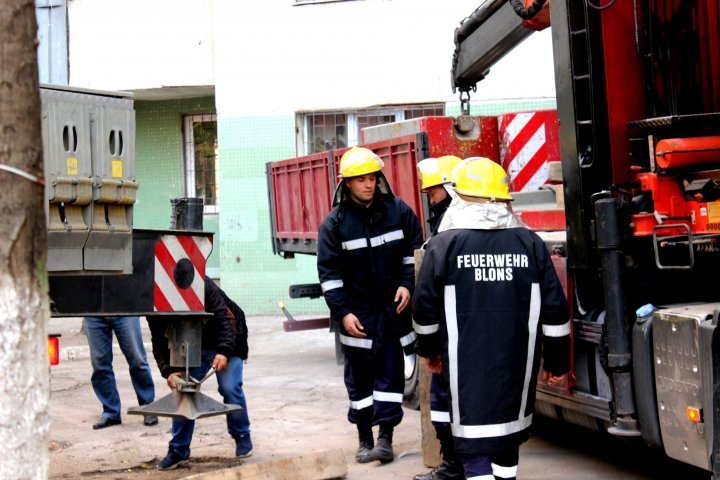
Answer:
[(435, 183), (487, 306), (366, 268)]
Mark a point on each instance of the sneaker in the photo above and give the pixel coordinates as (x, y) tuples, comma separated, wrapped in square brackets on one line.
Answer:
[(243, 446), (105, 422), (171, 461)]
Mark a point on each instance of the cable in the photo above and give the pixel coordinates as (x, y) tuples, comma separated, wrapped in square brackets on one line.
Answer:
[(22, 174), (600, 7)]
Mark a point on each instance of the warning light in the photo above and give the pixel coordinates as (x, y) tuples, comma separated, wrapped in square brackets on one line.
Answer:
[(694, 414), (54, 350)]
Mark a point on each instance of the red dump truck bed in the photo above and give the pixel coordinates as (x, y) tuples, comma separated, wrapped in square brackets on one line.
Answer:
[(301, 188)]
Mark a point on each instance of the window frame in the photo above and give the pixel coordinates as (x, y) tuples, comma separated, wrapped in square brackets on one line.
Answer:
[(352, 121), (189, 158)]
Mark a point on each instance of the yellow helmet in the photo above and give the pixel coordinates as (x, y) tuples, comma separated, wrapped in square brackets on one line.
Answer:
[(436, 171), (359, 161), (482, 178)]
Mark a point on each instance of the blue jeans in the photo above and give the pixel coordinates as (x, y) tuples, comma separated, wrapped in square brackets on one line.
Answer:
[(127, 330), (230, 382)]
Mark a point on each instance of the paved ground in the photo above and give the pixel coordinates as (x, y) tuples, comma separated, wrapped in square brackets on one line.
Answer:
[(297, 404)]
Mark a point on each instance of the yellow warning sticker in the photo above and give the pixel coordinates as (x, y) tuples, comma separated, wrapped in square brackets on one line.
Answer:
[(117, 168), (72, 165), (713, 212)]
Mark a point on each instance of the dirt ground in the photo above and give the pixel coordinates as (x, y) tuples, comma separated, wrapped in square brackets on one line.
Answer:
[(297, 405), (296, 401)]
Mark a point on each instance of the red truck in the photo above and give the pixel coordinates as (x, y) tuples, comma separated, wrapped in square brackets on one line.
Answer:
[(635, 234)]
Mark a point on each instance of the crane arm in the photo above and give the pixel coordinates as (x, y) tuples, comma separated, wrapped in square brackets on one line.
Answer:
[(487, 35)]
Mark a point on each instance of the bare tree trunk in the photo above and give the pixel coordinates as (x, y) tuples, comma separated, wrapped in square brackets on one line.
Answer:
[(25, 385)]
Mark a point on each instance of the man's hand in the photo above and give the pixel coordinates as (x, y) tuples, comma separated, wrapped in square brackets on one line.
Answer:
[(402, 295), (434, 364), (353, 326), (170, 381), (220, 362)]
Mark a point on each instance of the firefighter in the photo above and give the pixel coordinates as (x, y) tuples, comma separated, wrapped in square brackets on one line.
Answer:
[(366, 269), (435, 182), (488, 276)]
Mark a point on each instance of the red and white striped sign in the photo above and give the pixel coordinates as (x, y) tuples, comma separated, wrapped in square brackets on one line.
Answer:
[(528, 141), (180, 272)]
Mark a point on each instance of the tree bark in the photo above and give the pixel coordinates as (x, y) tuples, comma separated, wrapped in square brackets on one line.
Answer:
[(25, 386)]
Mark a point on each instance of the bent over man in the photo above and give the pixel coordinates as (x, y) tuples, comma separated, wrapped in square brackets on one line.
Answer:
[(366, 270), (224, 348), (490, 282)]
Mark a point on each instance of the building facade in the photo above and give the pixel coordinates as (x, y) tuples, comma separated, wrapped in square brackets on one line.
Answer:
[(222, 87)]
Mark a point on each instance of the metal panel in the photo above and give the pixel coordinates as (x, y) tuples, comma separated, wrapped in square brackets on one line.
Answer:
[(644, 382), (52, 38), (133, 294), (68, 170), (442, 136), (678, 379), (114, 140), (709, 345), (113, 147), (494, 37)]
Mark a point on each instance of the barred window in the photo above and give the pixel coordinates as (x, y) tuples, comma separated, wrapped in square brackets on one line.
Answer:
[(201, 159), (337, 129)]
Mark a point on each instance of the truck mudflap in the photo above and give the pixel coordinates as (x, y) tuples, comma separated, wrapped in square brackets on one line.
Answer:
[(687, 377)]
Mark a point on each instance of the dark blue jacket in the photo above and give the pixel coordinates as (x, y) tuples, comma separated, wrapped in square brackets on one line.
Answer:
[(364, 255), (490, 304)]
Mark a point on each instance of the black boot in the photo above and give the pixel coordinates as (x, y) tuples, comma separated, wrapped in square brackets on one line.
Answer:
[(451, 467), (363, 454), (383, 451), (447, 470)]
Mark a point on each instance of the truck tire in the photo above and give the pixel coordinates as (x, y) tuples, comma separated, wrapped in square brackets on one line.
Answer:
[(411, 395)]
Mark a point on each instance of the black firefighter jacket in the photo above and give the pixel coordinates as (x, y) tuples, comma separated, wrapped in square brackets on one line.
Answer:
[(219, 333), (489, 302), (364, 255)]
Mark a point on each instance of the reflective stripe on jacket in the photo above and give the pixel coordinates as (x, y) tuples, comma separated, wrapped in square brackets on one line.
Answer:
[(364, 255)]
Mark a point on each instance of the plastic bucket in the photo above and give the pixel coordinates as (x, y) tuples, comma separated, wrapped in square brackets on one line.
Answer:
[(187, 213)]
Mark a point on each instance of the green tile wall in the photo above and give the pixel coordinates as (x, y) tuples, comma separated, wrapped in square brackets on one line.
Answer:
[(251, 273), (159, 162)]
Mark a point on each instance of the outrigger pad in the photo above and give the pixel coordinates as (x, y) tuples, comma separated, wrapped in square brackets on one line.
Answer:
[(192, 405)]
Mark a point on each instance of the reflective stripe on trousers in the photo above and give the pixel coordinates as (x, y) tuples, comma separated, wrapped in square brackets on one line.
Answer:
[(377, 381)]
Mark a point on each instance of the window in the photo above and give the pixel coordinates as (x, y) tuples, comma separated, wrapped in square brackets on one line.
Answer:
[(201, 159), (322, 131)]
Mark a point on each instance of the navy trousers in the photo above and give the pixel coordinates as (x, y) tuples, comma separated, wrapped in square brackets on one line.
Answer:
[(439, 405), (375, 385), (500, 465)]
